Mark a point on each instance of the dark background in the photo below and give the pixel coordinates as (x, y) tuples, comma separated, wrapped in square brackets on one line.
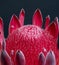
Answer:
[(8, 7)]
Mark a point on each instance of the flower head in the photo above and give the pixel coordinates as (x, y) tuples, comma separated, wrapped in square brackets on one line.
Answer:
[(30, 44)]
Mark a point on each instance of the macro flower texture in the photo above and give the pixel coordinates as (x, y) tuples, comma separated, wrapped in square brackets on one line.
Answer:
[(30, 44)]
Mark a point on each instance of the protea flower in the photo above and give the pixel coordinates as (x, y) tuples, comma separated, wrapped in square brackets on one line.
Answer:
[(30, 44)]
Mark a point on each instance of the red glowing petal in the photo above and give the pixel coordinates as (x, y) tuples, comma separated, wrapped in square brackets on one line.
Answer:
[(5, 58), (52, 29), (58, 27), (21, 17), (50, 58), (56, 24), (47, 21), (1, 33), (37, 18), (14, 24), (41, 59), (4, 45), (20, 59)]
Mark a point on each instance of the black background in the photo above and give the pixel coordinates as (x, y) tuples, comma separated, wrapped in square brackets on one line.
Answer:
[(9, 7)]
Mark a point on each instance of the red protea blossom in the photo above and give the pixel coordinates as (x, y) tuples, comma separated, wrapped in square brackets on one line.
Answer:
[(30, 44)]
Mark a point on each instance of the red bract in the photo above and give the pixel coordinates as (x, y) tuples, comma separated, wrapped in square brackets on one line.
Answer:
[(37, 18), (14, 24), (30, 44), (21, 17), (47, 21), (1, 33), (1, 36)]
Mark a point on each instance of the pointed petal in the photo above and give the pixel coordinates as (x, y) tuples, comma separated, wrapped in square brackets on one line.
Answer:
[(14, 24), (58, 28), (47, 21), (52, 29), (5, 58), (4, 45), (1, 33), (20, 59), (56, 24), (56, 21), (1, 23), (21, 17), (50, 58), (37, 18), (41, 59)]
